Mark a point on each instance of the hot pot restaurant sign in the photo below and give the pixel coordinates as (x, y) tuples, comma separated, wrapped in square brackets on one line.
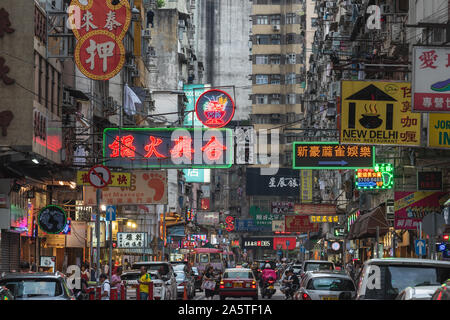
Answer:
[(215, 108), (99, 27), (376, 112), (169, 148)]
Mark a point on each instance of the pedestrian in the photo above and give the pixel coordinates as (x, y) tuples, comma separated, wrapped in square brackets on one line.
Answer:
[(24, 267), (209, 282), (126, 265), (106, 287), (94, 273), (116, 281), (84, 273), (144, 280), (105, 268)]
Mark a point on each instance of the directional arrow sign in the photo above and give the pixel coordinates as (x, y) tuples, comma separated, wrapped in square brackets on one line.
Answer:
[(111, 213), (332, 155), (420, 247)]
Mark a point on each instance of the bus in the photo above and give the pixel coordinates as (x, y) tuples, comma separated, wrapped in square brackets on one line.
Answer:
[(201, 257)]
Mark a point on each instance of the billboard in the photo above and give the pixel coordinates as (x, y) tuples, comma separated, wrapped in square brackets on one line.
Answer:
[(318, 209), (325, 155), (431, 81), (192, 92), (306, 185), (377, 112), (147, 187), (410, 207), (197, 175), (169, 148), (300, 223), (439, 130), (285, 183)]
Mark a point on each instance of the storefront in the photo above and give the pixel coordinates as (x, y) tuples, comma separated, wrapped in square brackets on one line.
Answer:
[(366, 230), (258, 248)]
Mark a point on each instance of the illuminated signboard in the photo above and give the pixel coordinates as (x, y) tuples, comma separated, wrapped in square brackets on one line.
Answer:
[(352, 218), (99, 28), (380, 177), (332, 155), (215, 108), (168, 148), (230, 223), (328, 219)]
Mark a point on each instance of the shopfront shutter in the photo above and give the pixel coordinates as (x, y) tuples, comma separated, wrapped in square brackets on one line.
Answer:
[(10, 251)]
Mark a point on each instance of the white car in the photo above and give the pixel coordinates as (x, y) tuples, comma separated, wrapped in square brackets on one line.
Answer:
[(131, 278), (163, 278), (417, 293)]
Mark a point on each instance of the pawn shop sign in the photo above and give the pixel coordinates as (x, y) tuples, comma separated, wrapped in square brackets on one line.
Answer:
[(99, 176)]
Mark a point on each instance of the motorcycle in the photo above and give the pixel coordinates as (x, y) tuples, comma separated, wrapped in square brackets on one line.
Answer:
[(290, 290), (268, 288)]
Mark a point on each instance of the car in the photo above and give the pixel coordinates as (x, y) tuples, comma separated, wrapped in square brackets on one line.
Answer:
[(384, 279), (238, 282), (327, 285), (417, 293), (185, 281), (37, 286), (198, 279), (313, 265), (163, 277)]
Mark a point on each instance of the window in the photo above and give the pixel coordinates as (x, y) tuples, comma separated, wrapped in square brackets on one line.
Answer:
[(262, 59), (263, 39), (276, 39), (291, 58), (290, 38), (262, 99), (275, 59), (291, 98), (313, 22), (331, 284), (275, 99), (28, 288), (215, 257), (275, 20), (262, 79), (290, 18), (275, 79), (238, 275), (262, 20), (318, 266), (290, 78), (203, 258)]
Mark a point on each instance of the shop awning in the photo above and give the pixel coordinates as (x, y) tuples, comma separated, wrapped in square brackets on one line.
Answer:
[(136, 251), (366, 225)]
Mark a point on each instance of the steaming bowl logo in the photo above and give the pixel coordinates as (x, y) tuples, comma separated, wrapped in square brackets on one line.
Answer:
[(215, 108)]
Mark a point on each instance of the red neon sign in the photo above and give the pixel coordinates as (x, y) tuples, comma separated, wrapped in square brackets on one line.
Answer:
[(230, 223), (151, 148), (215, 108), (123, 147)]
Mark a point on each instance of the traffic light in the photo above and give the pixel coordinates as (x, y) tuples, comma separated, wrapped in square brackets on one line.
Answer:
[(114, 244), (445, 237)]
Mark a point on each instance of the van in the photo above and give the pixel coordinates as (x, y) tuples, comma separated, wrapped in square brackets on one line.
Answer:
[(384, 279)]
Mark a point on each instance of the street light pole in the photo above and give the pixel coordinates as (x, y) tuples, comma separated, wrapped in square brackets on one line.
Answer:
[(97, 228)]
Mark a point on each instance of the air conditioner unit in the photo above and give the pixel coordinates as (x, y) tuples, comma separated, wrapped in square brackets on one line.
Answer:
[(330, 4), (276, 27)]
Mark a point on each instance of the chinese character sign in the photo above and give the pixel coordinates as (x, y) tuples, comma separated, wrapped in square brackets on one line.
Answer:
[(146, 187), (286, 182), (99, 27), (431, 81), (118, 179), (300, 223), (306, 186), (380, 177), (410, 207), (129, 240), (168, 148), (331, 156), (377, 112)]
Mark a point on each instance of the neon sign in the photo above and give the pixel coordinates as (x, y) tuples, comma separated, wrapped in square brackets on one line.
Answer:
[(230, 223), (215, 108), (380, 177), (168, 148), (352, 218)]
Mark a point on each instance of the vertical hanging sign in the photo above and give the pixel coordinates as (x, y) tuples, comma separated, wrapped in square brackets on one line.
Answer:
[(99, 27), (306, 186)]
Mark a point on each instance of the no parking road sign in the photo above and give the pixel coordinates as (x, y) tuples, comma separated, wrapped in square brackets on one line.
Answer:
[(99, 176)]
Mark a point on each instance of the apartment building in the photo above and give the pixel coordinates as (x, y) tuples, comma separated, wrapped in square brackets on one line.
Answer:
[(278, 67)]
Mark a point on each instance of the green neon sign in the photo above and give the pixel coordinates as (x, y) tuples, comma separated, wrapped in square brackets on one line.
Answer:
[(380, 177)]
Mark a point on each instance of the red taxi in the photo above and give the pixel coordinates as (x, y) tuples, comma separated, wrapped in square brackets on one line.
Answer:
[(238, 282)]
